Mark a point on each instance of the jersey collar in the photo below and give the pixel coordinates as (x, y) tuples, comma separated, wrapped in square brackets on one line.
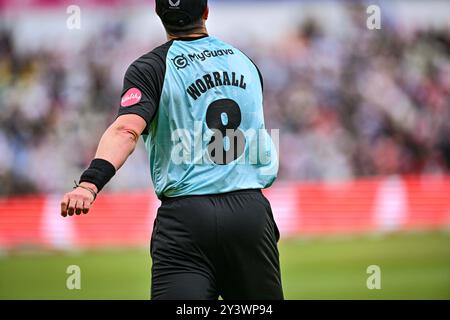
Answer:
[(190, 38)]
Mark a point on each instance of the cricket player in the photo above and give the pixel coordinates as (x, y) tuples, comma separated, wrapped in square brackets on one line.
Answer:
[(198, 104)]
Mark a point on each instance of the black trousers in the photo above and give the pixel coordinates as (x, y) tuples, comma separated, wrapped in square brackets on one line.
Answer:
[(224, 245)]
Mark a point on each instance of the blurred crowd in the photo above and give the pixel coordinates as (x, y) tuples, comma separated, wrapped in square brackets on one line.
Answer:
[(375, 102), (372, 103)]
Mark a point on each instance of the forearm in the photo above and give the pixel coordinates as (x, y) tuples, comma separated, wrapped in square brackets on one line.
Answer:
[(116, 145)]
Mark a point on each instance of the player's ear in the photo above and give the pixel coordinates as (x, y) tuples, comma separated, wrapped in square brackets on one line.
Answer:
[(206, 13)]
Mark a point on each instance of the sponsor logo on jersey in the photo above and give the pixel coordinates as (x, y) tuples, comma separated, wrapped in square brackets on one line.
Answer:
[(181, 61), (131, 97)]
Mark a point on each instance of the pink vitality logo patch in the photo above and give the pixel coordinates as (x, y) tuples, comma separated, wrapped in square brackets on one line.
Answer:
[(130, 98)]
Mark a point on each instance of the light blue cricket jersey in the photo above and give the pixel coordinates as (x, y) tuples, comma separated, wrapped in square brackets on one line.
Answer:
[(202, 100)]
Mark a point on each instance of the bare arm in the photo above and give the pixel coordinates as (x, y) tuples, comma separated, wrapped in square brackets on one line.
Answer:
[(116, 145), (120, 139)]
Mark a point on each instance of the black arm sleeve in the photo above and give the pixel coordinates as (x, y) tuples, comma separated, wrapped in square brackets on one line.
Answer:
[(143, 83)]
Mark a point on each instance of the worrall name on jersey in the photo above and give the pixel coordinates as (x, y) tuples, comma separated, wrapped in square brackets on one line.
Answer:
[(215, 79)]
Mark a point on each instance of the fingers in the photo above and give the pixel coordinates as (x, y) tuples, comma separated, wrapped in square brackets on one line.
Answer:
[(78, 207), (86, 206), (76, 202), (71, 206), (64, 205)]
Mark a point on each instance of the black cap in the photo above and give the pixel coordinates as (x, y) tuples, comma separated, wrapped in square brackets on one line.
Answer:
[(180, 13)]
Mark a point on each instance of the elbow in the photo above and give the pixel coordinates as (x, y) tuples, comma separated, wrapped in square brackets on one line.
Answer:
[(128, 133)]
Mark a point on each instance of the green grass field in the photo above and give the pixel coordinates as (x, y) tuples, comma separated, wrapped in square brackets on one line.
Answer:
[(413, 266)]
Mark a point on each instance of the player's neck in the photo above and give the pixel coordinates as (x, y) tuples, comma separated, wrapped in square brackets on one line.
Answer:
[(196, 34)]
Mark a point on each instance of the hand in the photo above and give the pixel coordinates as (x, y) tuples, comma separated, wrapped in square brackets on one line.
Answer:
[(77, 201)]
